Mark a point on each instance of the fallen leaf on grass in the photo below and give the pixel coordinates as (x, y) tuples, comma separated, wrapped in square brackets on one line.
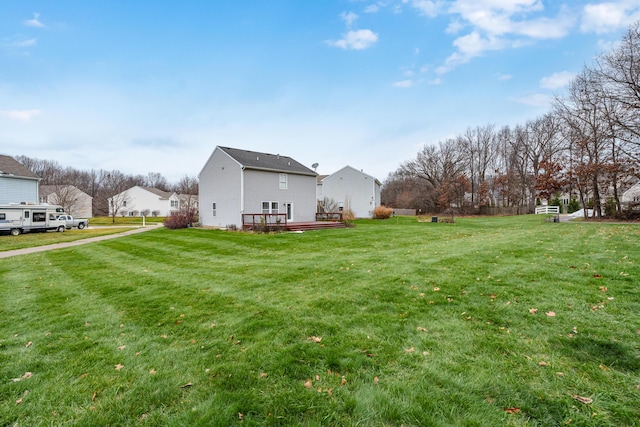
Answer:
[(93, 397), (421, 329), (436, 289), (28, 344), (410, 350), (533, 311), (122, 347), (187, 385), (19, 401), (119, 366), (263, 375), (240, 416), (513, 410), (597, 276), (543, 363), (343, 382), (152, 372), (603, 288), (314, 338), (307, 384), (585, 400), (376, 380), (551, 313)]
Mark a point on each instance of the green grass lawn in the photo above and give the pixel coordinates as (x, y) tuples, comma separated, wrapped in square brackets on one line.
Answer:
[(125, 220), (28, 240), (487, 322)]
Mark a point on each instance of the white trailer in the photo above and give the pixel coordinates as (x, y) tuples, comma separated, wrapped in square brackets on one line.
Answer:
[(23, 218)]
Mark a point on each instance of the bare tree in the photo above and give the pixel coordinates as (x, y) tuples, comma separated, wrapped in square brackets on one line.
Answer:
[(156, 180), (116, 185)]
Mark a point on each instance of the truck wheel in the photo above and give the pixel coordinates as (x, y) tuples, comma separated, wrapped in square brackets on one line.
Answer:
[(15, 231), (61, 229), (81, 226)]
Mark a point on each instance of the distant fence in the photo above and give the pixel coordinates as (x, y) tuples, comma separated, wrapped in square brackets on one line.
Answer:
[(407, 212), (548, 210)]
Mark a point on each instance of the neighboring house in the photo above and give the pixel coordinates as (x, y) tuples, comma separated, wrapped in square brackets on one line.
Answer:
[(353, 189), (74, 201), (319, 179), (17, 183), (234, 182), (632, 195), (144, 201)]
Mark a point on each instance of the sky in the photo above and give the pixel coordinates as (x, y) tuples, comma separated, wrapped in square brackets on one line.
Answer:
[(154, 86)]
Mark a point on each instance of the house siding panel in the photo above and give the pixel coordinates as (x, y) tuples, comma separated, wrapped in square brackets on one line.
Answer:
[(220, 183), (265, 187), (18, 190), (354, 188)]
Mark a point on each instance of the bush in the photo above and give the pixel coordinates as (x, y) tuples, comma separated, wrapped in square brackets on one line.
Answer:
[(382, 212), (181, 219)]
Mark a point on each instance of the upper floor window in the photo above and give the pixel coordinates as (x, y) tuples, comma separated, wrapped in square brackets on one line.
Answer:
[(283, 181), (213, 207), (174, 203)]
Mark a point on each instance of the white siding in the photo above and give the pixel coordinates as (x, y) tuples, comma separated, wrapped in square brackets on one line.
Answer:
[(220, 183), (361, 192), (18, 190), (263, 186)]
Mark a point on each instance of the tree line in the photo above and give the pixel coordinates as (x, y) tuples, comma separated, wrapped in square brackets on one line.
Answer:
[(586, 148), (102, 184)]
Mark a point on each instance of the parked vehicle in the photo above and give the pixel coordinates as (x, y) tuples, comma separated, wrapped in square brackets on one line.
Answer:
[(70, 222), (23, 218)]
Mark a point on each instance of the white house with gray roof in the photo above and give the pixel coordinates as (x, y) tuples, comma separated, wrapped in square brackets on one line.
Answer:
[(234, 182), (17, 183), (145, 201), (351, 189)]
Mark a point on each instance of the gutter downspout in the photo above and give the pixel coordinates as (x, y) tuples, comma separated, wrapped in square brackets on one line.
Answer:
[(241, 195)]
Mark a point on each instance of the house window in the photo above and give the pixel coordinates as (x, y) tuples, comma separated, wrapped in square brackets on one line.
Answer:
[(283, 181), (213, 208), (270, 207), (340, 206), (174, 203), (124, 204), (3, 216)]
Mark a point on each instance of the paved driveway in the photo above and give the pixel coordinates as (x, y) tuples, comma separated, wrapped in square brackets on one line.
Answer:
[(16, 252)]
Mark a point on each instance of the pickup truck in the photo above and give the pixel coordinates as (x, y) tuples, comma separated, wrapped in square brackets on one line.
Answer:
[(71, 222)]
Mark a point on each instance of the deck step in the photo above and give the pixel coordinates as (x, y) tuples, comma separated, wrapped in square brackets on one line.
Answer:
[(318, 225)]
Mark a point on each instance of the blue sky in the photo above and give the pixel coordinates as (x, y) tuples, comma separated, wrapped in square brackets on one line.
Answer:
[(154, 86)]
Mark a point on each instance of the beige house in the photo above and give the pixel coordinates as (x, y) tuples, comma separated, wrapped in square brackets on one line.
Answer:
[(75, 202)]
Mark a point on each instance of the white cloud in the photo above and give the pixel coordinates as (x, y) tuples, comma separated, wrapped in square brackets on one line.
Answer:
[(428, 7), (349, 18), (536, 100), (17, 42), (355, 40), (556, 80), (35, 22), (498, 25), (373, 8), (20, 115), (609, 16), (404, 84)]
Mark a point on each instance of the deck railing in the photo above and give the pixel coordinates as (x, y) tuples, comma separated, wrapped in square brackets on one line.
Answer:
[(329, 216), (263, 221)]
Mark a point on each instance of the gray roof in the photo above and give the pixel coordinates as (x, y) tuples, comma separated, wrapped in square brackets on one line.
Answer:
[(269, 162), (10, 166), (162, 194)]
